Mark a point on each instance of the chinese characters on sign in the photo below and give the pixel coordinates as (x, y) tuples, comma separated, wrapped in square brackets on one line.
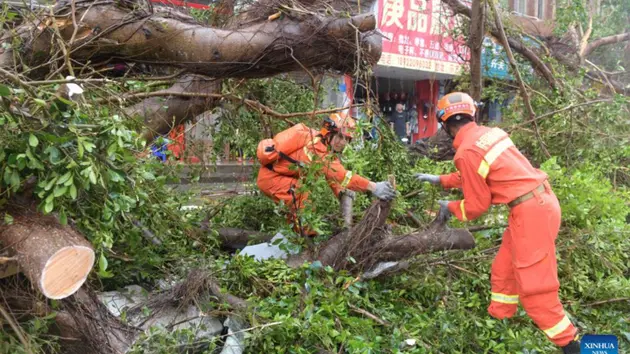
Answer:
[(417, 36)]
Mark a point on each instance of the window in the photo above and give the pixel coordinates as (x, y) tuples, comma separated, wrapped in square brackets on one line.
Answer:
[(520, 7), (541, 9)]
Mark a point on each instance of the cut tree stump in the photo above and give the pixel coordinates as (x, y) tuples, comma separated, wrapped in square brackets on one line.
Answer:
[(55, 258)]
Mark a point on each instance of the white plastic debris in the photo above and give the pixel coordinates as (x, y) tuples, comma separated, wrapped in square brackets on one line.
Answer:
[(73, 89), (119, 301), (410, 342), (268, 250), (378, 269), (235, 341)]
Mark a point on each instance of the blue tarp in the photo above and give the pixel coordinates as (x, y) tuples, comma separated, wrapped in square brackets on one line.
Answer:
[(159, 149)]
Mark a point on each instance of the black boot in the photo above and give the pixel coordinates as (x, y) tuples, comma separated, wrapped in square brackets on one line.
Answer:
[(572, 348)]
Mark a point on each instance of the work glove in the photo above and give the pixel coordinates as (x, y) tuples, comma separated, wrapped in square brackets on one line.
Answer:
[(423, 177), (384, 191), (348, 192), (444, 214)]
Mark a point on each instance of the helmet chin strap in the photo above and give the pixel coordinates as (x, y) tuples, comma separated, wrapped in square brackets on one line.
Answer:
[(447, 130)]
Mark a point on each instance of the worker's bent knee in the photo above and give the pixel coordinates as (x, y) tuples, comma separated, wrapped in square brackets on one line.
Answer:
[(501, 311)]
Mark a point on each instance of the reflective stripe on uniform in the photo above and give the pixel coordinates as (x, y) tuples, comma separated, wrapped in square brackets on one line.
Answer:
[(483, 169), (307, 151), (346, 179), (490, 138), (461, 207), (504, 298), (497, 150), (492, 155), (558, 328)]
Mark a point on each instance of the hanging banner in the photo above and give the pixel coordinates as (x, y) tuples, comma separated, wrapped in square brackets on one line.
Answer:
[(418, 38)]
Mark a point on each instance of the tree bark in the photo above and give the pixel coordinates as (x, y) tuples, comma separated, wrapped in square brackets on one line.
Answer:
[(236, 239), (55, 258), (84, 323), (261, 47), (370, 242), (475, 42), (161, 114), (605, 41), (295, 42), (346, 201)]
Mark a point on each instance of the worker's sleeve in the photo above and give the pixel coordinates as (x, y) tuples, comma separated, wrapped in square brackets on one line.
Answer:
[(335, 187), (477, 195), (452, 180)]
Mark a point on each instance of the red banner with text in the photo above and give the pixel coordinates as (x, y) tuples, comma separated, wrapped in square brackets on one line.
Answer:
[(418, 36)]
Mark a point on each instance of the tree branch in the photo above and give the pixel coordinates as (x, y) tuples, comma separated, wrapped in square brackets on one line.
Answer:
[(475, 42), (587, 35), (560, 111), (606, 41), (250, 103), (545, 71), (524, 94)]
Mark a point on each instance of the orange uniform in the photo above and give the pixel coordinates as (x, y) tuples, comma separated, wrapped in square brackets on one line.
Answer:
[(282, 181), (491, 170)]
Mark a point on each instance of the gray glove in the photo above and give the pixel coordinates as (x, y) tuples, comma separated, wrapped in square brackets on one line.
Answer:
[(444, 214), (422, 177), (347, 192), (384, 191)]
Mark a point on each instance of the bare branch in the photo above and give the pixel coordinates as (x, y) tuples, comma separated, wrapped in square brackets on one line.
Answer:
[(524, 94), (250, 103), (606, 41), (462, 9), (573, 106)]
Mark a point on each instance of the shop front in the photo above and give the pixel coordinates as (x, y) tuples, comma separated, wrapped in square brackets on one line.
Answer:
[(419, 57)]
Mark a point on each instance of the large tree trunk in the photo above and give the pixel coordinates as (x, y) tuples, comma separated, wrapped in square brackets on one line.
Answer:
[(262, 49), (370, 242), (475, 41), (55, 258), (301, 39)]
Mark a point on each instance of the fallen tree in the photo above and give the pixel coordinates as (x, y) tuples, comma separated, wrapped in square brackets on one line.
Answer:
[(57, 259), (370, 242), (260, 43)]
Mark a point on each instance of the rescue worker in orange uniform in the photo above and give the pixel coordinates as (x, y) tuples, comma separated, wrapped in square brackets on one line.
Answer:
[(280, 180), (491, 170)]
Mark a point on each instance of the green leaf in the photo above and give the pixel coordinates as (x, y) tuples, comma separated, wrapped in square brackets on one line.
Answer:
[(80, 148), (33, 141), (50, 184), (60, 190), (92, 176), (102, 263), (102, 267), (148, 176), (8, 172), (111, 150), (63, 218), (40, 102), (8, 219), (15, 179), (69, 182), (88, 146), (73, 192), (63, 179), (48, 207), (53, 155), (5, 91)]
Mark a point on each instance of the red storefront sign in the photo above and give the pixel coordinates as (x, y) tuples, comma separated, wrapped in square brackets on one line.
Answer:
[(418, 38)]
